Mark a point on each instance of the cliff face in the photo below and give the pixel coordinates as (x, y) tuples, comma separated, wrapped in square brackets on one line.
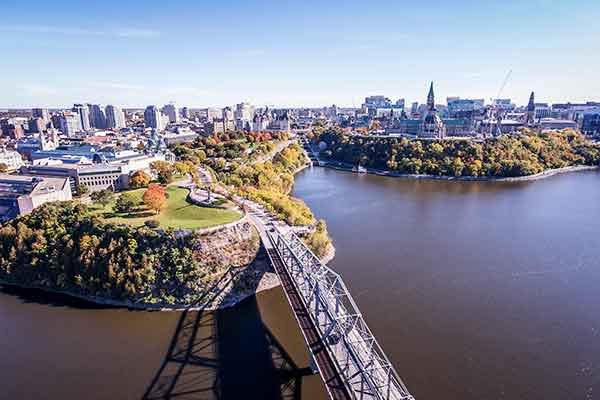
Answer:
[(234, 246)]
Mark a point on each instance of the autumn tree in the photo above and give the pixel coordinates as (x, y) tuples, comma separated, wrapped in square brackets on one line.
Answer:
[(183, 167), (164, 171), (140, 179), (155, 197)]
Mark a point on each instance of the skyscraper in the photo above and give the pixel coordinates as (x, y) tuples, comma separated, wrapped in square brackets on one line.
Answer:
[(152, 118), (41, 113), (115, 119), (84, 115), (171, 111), (97, 117), (185, 113), (70, 123)]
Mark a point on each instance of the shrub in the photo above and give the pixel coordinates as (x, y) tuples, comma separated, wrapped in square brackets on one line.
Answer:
[(152, 224)]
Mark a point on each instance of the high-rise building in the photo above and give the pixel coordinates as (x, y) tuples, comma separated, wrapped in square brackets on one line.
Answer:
[(84, 115), (170, 110), (153, 118), (115, 119), (36, 125), (70, 123), (97, 117), (244, 111), (41, 113), (213, 113), (185, 113), (414, 107)]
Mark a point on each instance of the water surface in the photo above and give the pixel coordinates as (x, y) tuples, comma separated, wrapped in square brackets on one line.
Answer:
[(475, 290)]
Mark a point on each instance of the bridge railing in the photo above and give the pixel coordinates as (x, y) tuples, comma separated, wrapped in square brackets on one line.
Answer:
[(364, 367)]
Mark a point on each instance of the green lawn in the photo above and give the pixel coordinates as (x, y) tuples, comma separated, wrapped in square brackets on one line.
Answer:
[(178, 213)]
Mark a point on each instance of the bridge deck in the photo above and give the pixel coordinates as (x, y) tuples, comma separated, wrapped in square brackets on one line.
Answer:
[(333, 380)]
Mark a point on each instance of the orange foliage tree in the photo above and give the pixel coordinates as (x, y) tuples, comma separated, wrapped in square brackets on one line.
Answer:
[(155, 197), (139, 179)]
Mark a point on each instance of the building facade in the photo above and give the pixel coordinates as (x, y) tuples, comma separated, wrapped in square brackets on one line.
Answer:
[(153, 118), (20, 194), (115, 119)]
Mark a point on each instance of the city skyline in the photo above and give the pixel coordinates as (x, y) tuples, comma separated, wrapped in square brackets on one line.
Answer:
[(219, 54)]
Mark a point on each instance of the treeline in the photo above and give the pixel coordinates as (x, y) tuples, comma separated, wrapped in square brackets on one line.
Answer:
[(270, 183), (230, 146), (527, 153), (61, 246)]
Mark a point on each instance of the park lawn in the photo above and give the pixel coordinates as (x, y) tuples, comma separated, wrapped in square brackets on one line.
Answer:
[(178, 213)]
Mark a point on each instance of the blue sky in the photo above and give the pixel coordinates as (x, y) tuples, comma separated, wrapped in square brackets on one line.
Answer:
[(301, 53)]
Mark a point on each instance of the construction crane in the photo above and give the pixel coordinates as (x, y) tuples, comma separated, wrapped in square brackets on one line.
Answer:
[(494, 109)]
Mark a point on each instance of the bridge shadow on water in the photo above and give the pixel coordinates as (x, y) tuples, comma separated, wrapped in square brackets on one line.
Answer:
[(226, 354)]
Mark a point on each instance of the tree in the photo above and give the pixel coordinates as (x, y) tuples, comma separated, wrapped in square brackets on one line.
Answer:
[(140, 179), (163, 170), (103, 197), (182, 168), (82, 190), (3, 167), (155, 197), (125, 203)]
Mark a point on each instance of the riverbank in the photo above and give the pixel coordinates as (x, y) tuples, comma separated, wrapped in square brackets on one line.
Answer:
[(545, 174), (223, 298)]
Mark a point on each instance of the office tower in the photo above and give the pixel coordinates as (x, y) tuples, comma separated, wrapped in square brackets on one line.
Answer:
[(70, 123), (152, 118), (185, 113), (97, 117), (115, 119), (171, 111), (41, 113), (84, 115)]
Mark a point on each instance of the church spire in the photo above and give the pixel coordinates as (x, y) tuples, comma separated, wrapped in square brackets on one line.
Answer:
[(431, 98), (531, 105), (530, 116)]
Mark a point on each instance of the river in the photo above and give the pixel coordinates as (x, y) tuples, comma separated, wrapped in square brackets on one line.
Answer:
[(475, 290)]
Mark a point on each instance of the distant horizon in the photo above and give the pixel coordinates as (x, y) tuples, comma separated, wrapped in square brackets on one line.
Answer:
[(296, 54), (181, 105)]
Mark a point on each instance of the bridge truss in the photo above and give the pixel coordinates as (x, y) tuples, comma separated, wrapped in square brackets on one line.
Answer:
[(359, 360)]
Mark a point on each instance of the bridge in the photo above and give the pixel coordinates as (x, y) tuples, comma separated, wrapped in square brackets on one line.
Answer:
[(343, 348)]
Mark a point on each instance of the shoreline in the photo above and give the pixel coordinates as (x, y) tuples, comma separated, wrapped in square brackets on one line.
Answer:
[(265, 284), (542, 175)]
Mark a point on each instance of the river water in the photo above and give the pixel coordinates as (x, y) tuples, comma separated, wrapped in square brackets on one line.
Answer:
[(475, 290)]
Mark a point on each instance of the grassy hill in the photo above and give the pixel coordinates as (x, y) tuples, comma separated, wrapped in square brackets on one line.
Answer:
[(178, 213)]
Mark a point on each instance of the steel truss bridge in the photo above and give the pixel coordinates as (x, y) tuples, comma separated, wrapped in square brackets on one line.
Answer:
[(346, 354)]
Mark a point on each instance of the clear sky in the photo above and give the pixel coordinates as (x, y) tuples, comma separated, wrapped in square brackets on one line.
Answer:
[(295, 53)]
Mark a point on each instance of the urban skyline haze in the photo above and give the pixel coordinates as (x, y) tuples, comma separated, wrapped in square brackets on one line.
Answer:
[(295, 54)]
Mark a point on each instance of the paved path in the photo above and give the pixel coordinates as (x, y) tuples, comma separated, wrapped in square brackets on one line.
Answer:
[(278, 149)]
